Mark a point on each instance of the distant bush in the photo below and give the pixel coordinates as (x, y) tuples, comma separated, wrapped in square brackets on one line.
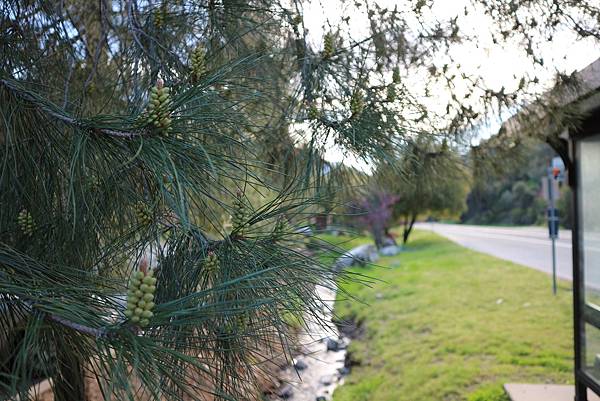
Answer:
[(564, 205), (510, 196)]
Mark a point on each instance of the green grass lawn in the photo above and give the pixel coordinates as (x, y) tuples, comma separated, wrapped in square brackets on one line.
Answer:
[(447, 323)]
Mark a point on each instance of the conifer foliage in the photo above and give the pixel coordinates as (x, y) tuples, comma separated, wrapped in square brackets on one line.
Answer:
[(151, 187), (129, 138)]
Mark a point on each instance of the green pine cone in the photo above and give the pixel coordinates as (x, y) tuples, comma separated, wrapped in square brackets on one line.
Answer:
[(242, 321), (396, 75), (160, 16), (328, 46), (25, 222), (211, 263), (143, 214), (198, 63), (140, 297), (238, 219), (313, 113), (357, 103), (159, 106), (391, 93)]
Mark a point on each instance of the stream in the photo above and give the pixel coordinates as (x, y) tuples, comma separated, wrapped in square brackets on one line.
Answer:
[(319, 368), (321, 365)]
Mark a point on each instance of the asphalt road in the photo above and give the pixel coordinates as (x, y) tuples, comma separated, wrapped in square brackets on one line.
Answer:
[(529, 246)]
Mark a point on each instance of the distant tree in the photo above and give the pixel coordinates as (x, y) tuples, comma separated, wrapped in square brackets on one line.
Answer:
[(506, 185), (374, 212), (565, 208), (429, 178)]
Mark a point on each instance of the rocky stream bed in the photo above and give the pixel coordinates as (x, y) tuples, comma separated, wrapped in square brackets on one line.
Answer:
[(322, 363)]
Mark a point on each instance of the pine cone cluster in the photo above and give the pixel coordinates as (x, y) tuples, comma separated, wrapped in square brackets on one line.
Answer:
[(26, 223), (198, 63), (357, 103), (328, 46), (211, 263), (140, 297), (236, 323), (445, 146), (159, 107), (313, 112), (391, 93), (160, 16), (143, 213), (242, 321), (238, 219), (396, 75)]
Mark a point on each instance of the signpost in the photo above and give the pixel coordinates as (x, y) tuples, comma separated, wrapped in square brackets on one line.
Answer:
[(555, 173)]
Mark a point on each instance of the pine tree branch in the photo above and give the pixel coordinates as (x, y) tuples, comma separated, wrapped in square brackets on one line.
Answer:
[(63, 117), (90, 331)]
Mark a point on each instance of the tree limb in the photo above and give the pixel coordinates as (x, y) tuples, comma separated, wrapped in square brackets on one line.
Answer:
[(90, 331), (65, 118)]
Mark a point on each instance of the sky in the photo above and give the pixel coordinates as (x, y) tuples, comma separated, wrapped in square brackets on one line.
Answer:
[(496, 63)]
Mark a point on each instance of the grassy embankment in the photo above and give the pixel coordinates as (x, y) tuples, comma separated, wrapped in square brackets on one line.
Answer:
[(447, 323)]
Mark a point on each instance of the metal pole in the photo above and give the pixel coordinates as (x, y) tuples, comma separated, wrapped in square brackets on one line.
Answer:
[(552, 220), (578, 279), (553, 265)]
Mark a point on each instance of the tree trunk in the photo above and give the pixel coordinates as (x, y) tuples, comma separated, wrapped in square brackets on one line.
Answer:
[(389, 236), (408, 226), (378, 234), (321, 221)]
